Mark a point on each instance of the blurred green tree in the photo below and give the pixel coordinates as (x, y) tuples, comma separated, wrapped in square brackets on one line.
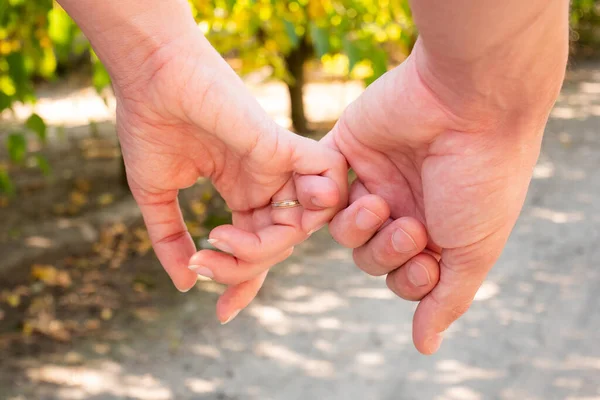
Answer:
[(285, 34), (585, 25), (36, 39), (351, 37)]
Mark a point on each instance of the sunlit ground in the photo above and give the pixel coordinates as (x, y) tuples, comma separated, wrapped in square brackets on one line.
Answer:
[(324, 102), (321, 329)]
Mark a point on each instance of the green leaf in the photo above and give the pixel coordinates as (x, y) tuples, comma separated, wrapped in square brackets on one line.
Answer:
[(352, 51), (17, 147), (43, 164), (320, 38), (5, 101), (59, 27), (6, 185), (37, 125), (290, 30), (17, 71), (230, 4), (48, 63), (378, 60), (3, 8), (101, 78)]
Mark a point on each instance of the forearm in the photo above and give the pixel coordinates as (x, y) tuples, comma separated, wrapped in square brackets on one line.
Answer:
[(125, 34), (489, 56)]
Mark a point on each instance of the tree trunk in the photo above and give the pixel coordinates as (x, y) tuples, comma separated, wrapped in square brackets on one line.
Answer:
[(295, 66)]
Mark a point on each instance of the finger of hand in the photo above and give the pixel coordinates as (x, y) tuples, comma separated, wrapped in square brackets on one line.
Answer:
[(415, 279), (170, 238), (320, 198), (237, 297), (392, 246), (312, 158), (357, 190), (316, 192), (462, 271), (229, 270), (254, 247), (354, 226)]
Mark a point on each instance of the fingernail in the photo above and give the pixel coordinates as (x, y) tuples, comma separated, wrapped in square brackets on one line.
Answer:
[(221, 245), (231, 317), (367, 220), (202, 271), (418, 275), (184, 290), (402, 242), (317, 202), (435, 342), (315, 230)]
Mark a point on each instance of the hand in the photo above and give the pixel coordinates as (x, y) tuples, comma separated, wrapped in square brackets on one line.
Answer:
[(187, 115), (454, 183)]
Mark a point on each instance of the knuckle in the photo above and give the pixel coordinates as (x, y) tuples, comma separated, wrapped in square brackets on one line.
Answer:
[(367, 264), (452, 310), (380, 257)]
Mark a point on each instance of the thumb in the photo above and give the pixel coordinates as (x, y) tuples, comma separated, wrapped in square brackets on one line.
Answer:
[(462, 271)]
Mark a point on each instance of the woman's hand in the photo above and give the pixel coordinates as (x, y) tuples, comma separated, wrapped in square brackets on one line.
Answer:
[(182, 113), (188, 115)]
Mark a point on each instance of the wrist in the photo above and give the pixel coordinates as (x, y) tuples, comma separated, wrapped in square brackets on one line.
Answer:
[(518, 75), (478, 91), (126, 35)]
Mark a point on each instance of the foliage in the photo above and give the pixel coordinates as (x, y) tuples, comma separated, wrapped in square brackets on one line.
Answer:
[(264, 32), (35, 38), (355, 37), (585, 24)]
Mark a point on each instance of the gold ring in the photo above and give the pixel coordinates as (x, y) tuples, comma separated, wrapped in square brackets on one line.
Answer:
[(285, 204)]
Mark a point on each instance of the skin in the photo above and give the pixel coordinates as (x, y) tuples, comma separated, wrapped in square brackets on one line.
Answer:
[(444, 148), (182, 114), (457, 129)]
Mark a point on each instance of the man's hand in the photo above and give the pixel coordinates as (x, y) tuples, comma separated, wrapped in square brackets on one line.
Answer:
[(454, 174)]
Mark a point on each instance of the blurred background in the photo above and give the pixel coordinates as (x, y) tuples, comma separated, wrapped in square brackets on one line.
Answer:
[(86, 311)]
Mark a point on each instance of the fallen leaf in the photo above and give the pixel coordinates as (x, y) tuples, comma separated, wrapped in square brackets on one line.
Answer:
[(106, 314), (207, 195), (198, 207), (51, 276), (139, 287), (83, 185), (105, 199), (77, 198), (12, 299), (27, 329), (92, 324)]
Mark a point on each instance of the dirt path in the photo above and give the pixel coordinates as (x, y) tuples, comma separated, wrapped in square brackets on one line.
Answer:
[(321, 329)]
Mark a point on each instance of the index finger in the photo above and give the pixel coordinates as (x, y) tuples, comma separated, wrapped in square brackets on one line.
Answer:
[(168, 233)]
